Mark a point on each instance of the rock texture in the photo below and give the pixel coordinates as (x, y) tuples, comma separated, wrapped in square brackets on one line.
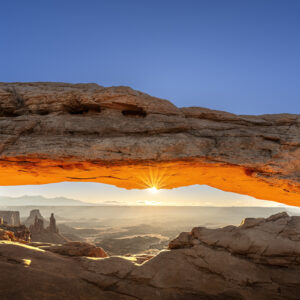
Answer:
[(78, 249), (52, 132), (20, 233), (15, 233), (257, 260), (31, 273), (271, 241), (7, 235)]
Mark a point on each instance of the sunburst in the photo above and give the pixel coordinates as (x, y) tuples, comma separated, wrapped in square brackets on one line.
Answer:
[(154, 179), (153, 190)]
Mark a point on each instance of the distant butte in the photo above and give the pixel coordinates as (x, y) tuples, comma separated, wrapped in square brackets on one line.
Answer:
[(54, 132)]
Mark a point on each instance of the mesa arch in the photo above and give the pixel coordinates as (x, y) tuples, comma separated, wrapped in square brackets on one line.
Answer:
[(54, 132)]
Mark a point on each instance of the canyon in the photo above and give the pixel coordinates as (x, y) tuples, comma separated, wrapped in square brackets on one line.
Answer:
[(54, 132), (259, 259)]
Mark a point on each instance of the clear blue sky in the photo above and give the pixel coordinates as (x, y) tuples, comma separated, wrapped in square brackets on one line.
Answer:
[(240, 56), (235, 55)]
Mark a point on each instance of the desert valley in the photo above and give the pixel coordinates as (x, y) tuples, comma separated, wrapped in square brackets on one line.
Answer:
[(150, 150), (83, 254), (131, 230)]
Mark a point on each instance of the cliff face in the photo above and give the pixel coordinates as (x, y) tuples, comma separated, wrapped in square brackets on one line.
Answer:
[(257, 260), (52, 132), (10, 217), (41, 234), (34, 213)]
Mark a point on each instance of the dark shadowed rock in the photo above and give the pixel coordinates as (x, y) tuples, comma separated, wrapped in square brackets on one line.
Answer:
[(52, 226), (21, 232), (15, 233)]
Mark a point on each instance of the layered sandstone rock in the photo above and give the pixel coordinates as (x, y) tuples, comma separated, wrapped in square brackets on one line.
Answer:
[(21, 232), (267, 241), (78, 249), (257, 260), (52, 132), (7, 235), (32, 273), (15, 233)]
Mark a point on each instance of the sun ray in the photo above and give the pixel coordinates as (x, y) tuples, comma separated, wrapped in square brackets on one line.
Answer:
[(154, 179)]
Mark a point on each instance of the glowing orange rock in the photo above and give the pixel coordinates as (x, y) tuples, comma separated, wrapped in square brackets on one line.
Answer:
[(53, 132)]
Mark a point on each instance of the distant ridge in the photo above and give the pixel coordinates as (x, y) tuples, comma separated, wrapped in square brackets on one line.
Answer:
[(41, 201)]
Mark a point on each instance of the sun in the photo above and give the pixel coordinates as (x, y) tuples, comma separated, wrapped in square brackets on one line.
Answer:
[(153, 179), (153, 190)]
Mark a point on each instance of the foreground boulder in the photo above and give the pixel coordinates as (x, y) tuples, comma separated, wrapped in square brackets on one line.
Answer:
[(78, 249), (257, 260), (268, 241), (54, 132), (32, 273)]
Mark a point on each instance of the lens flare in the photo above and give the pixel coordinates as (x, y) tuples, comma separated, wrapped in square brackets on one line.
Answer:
[(153, 190)]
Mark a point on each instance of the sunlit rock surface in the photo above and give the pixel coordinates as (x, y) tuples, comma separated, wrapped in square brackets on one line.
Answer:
[(7, 235), (257, 260), (15, 233), (268, 241), (53, 132), (78, 249)]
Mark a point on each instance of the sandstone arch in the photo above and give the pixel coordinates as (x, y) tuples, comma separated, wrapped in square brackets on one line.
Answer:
[(53, 132)]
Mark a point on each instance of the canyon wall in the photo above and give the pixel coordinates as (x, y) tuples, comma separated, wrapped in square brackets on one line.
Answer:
[(10, 217), (54, 132)]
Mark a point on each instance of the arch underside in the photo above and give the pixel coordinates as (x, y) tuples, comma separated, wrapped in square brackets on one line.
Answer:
[(142, 175)]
